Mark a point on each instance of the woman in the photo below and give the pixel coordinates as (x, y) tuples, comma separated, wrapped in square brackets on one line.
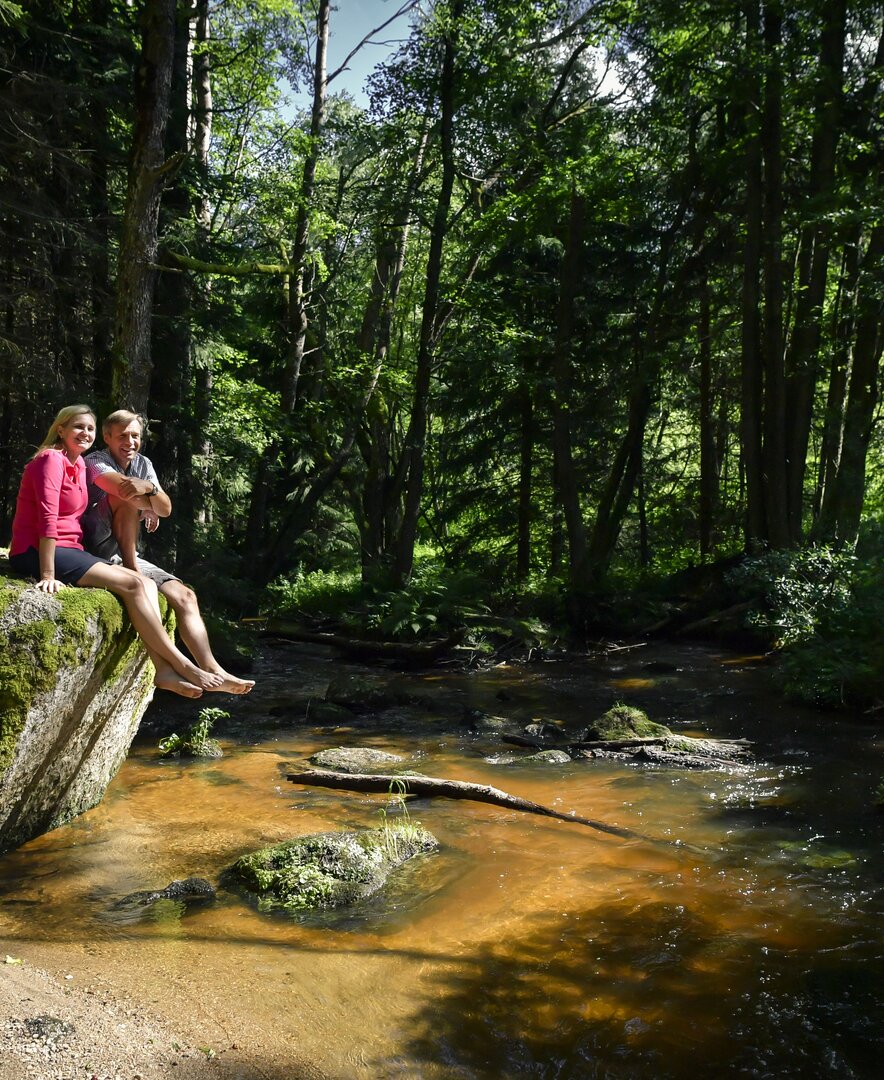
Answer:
[(47, 544)]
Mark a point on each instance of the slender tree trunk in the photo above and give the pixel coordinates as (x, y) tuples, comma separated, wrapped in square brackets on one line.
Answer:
[(170, 386), (708, 451), (203, 371), (802, 361), (297, 316), (416, 438), (566, 477), (844, 336), (136, 277), (843, 509), (751, 367), (526, 465), (774, 446)]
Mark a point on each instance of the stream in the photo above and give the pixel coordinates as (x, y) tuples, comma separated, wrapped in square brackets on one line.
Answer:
[(744, 939)]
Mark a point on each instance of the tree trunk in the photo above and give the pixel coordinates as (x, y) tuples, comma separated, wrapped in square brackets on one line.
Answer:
[(802, 360), (170, 386), (774, 443), (844, 336), (416, 437), (708, 451), (566, 477), (136, 277), (297, 316), (751, 367), (526, 461), (844, 507)]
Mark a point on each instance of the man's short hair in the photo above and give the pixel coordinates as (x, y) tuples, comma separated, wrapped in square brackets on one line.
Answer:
[(121, 416)]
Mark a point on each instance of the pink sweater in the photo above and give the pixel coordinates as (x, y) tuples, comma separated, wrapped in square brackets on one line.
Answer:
[(51, 501)]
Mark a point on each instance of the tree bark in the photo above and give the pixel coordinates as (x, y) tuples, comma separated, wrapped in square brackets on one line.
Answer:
[(774, 442), (844, 508), (566, 477), (136, 278), (297, 316), (751, 367), (416, 437), (802, 360), (526, 460), (708, 451)]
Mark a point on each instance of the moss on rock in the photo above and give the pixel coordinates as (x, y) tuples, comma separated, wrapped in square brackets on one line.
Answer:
[(327, 869), (625, 722), (74, 683), (41, 636)]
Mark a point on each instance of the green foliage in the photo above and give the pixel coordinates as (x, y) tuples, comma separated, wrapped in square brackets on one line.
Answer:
[(824, 609), (197, 742), (794, 588)]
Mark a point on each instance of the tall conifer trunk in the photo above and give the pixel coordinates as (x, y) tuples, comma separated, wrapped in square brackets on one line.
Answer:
[(416, 437), (136, 277)]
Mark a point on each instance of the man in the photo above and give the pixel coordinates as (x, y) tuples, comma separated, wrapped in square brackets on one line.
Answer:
[(123, 492)]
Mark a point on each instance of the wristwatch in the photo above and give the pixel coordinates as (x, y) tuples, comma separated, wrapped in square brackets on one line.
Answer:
[(154, 490)]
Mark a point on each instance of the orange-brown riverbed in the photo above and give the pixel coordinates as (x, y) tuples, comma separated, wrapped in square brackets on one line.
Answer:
[(748, 943)]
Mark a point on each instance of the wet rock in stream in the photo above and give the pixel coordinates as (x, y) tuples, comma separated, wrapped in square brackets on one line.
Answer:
[(187, 890), (355, 759)]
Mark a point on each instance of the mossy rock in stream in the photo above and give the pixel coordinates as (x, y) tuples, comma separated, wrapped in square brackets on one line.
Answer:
[(625, 722), (327, 870)]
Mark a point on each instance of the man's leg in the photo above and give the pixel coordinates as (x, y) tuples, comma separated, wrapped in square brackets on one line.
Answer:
[(126, 521), (195, 636)]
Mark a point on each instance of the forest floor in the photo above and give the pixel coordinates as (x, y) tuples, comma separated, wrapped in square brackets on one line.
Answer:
[(58, 1026)]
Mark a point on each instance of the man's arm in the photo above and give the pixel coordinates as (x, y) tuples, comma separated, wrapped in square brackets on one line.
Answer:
[(135, 491)]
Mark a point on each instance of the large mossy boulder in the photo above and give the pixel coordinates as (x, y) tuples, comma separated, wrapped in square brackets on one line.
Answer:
[(327, 870), (74, 684)]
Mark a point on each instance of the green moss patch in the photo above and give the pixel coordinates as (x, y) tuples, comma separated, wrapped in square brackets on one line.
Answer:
[(327, 869), (626, 722), (34, 651)]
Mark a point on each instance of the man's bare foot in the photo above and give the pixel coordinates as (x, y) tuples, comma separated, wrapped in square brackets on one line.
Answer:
[(233, 685), (171, 680)]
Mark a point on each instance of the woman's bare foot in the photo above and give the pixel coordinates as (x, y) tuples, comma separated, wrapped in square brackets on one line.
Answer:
[(205, 680), (167, 679), (233, 685)]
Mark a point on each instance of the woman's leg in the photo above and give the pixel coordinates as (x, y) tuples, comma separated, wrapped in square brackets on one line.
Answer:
[(131, 589)]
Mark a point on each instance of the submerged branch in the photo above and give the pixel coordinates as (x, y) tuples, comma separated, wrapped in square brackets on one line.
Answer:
[(434, 787)]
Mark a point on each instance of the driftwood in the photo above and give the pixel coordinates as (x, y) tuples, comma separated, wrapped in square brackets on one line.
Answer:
[(417, 653), (434, 787), (606, 744)]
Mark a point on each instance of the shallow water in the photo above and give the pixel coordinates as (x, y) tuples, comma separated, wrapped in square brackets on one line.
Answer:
[(743, 938)]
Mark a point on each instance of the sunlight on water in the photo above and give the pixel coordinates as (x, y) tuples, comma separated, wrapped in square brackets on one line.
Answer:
[(744, 932)]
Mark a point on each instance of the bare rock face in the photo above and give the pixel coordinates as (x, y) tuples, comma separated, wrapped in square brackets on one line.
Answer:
[(74, 684)]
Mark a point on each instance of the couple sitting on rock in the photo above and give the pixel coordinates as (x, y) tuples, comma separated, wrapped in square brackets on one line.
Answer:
[(63, 502)]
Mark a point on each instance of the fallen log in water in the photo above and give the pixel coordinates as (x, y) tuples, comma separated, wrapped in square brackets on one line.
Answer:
[(416, 653), (434, 787)]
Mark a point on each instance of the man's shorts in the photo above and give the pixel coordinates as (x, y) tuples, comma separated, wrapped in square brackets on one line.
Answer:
[(108, 549)]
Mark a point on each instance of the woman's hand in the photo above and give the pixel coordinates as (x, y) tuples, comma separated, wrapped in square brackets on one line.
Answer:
[(50, 585)]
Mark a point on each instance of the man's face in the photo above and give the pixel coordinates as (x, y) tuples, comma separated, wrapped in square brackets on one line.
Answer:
[(123, 441)]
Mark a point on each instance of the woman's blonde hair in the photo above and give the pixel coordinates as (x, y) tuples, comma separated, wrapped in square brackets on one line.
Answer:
[(64, 417)]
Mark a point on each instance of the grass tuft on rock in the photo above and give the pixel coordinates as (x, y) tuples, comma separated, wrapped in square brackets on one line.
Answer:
[(626, 722)]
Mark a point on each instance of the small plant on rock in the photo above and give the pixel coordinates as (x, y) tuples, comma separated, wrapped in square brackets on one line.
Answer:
[(197, 742)]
